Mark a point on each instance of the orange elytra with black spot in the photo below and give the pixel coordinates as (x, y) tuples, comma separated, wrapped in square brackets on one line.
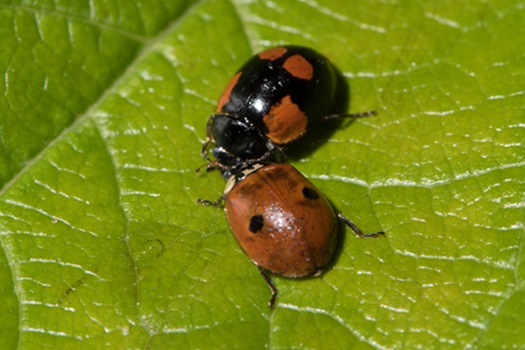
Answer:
[(281, 220)]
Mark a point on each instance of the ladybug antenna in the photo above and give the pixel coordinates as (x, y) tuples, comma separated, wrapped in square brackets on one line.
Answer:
[(348, 115)]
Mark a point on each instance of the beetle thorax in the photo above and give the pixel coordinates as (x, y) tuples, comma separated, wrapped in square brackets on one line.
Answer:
[(240, 175)]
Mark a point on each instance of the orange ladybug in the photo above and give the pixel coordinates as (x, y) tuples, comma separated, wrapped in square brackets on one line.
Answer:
[(281, 221)]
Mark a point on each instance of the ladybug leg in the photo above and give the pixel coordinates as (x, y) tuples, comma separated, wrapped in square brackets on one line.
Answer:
[(270, 284), (349, 115), (212, 165), (207, 203), (209, 138), (209, 134), (356, 229), (198, 170), (206, 144), (261, 159), (280, 154), (204, 149)]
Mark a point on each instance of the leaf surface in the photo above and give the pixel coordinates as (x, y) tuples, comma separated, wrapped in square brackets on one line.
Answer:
[(104, 106)]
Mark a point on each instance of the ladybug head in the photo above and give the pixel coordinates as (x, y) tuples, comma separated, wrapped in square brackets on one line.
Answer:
[(236, 140)]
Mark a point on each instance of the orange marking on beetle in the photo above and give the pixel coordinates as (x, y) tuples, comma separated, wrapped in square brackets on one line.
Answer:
[(273, 53), (225, 96), (285, 122), (299, 67)]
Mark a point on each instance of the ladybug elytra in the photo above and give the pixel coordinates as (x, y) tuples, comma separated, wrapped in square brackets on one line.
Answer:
[(274, 98), (282, 221)]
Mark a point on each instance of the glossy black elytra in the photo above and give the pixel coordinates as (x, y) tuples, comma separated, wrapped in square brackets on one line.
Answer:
[(273, 100)]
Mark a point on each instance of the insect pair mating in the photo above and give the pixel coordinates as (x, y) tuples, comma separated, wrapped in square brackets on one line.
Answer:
[(278, 217)]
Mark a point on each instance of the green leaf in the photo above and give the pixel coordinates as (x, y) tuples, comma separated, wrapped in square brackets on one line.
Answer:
[(103, 110)]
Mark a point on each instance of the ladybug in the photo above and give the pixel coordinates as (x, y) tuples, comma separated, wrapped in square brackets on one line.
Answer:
[(273, 100), (281, 221)]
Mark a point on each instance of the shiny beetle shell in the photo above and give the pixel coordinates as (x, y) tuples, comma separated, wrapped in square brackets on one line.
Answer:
[(281, 90), (281, 220), (271, 101)]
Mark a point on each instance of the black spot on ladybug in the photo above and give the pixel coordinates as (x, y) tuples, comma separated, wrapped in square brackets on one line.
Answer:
[(310, 193), (256, 223)]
